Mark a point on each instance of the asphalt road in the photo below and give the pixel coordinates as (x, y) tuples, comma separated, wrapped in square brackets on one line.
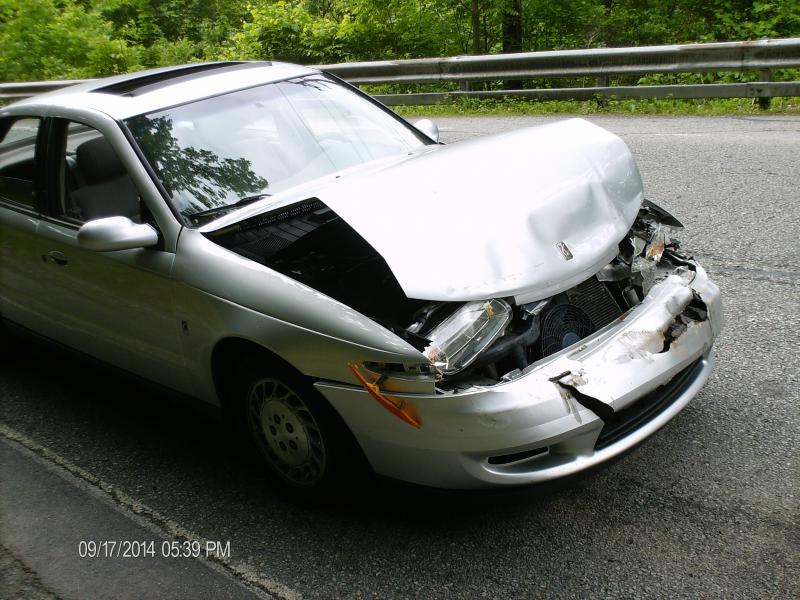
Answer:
[(707, 508)]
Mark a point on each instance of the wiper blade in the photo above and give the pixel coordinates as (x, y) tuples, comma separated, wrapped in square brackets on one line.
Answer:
[(228, 207)]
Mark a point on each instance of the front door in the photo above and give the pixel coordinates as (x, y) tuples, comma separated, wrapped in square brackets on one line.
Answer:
[(117, 306)]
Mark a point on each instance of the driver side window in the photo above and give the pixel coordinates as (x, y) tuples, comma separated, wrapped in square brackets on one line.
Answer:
[(94, 182)]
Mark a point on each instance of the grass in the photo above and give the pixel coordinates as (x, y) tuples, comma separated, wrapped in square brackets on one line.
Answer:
[(669, 106)]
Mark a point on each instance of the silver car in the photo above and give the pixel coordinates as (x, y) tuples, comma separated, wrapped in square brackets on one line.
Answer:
[(503, 311)]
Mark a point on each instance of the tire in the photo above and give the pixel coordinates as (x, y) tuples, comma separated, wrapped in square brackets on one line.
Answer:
[(10, 346), (308, 450)]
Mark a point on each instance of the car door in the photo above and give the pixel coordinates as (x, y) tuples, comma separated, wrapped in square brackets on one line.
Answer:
[(117, 306), (21, 184)]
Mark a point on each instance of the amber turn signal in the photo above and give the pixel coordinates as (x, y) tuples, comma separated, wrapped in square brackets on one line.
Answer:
[(396, 406)]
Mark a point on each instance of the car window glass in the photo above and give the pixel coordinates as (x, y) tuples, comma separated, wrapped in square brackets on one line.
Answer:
[(94, 182), (218, 152), (347, 133), (17, 161)]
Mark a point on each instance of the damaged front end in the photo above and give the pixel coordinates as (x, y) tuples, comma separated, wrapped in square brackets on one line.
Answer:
[(534, 331), (506, 392), (570, 382), (480, 342)]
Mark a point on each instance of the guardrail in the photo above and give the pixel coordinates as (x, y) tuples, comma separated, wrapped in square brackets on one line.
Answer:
[(762, 56)]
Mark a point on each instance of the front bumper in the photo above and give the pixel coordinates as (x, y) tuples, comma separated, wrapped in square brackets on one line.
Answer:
[(637, 373)]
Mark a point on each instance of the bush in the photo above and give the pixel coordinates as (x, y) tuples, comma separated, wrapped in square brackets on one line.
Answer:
[(45, 39)]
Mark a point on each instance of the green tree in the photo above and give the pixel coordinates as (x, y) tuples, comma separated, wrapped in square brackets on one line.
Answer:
[(85, 38), (45, 39)]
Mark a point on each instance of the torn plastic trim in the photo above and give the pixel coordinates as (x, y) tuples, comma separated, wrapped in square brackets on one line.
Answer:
[(660, 214), (641, 252), (598, 407), (695, 311), (652, 336), (419, 378)]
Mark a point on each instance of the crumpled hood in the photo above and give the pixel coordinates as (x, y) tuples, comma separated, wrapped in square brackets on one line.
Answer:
[(527, 214)]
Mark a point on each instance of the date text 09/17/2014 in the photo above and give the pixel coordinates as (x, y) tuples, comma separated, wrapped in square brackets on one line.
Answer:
[(153, 549)]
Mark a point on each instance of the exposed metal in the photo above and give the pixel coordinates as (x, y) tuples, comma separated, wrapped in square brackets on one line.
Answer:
[(725, 56), (614, 367)]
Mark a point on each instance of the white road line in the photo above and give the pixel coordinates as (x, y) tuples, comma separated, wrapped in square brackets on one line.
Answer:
[(147, 517)]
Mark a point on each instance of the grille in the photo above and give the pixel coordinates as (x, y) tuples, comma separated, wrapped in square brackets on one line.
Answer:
[(265, 246), (594, 298), (649, 407), (265, 235)]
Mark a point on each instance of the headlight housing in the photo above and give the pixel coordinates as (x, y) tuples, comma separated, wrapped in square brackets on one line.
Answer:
[(461, 337)]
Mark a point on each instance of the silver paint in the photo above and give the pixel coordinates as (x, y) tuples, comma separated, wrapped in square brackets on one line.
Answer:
[(116, 233), (474, 220)]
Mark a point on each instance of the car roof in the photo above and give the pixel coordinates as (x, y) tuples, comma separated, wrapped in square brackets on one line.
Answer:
[(133, 94)]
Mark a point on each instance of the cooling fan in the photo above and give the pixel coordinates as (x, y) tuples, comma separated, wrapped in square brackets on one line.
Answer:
[(562, 326)]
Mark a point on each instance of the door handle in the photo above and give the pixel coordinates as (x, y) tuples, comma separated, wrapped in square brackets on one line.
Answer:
[(56, 257)]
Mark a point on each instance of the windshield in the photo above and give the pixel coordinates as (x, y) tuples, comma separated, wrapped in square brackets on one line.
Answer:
[(232, 149)]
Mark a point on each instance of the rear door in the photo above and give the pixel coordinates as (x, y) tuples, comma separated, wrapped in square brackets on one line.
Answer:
[(22, 295)]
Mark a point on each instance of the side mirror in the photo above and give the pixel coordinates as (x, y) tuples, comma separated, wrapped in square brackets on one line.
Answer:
[(116, 233), (429, 128)]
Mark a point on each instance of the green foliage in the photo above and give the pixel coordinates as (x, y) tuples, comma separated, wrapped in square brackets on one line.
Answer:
[(287, 31), (512, 106), (50, 39), (569, 24), (335, 30), (738, 20), (45, 39)]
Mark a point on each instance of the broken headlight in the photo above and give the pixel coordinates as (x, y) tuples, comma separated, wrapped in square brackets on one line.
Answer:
[(461, 337)]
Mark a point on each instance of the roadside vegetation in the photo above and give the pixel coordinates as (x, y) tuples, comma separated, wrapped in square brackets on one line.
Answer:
[(75, 39), (515, 107)]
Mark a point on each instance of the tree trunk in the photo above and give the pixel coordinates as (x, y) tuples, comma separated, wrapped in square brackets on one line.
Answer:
[(476, 28), (512, 34)]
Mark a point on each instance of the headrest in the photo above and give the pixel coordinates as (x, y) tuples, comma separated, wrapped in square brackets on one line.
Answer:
[(98, 161)]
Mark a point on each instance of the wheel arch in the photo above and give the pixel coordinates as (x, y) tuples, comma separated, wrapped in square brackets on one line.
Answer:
[(224, 357)]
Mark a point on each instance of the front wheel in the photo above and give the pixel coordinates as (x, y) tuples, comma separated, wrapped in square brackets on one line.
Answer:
[(305, 444)]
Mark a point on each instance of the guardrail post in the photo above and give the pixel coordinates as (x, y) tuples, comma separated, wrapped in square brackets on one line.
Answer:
[(765, 75), (602, 82), (465, 86)]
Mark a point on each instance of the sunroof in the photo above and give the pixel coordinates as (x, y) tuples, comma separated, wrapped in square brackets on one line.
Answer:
[(148, 83)]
